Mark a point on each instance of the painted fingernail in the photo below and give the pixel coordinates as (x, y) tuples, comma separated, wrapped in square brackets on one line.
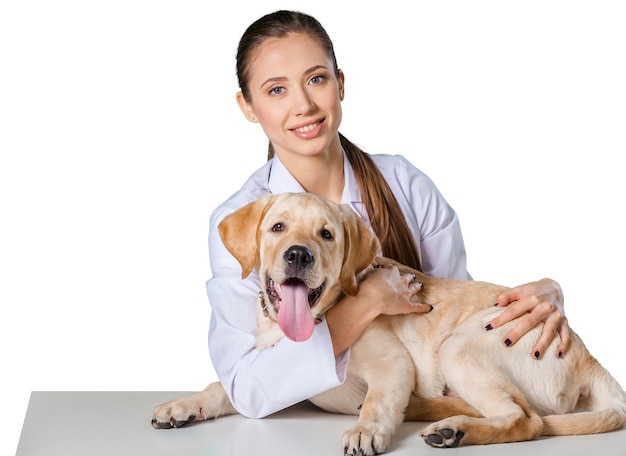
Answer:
[(489, 327), (560, 354), (537, 354), (508, 342), (431, 308), (496, 304)]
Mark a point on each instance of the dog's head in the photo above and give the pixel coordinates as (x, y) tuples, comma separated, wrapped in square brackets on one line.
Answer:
[(307, 251)]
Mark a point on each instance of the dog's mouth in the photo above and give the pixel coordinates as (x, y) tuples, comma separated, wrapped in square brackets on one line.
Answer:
[(292, 300)]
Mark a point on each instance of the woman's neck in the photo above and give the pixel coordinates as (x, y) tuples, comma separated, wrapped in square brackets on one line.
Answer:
[(321, 174)]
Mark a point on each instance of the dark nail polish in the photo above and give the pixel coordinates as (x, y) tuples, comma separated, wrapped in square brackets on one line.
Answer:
[(496, 304), (508, 342), (431, 308), (537, 354), (560, 354), (489, 327)]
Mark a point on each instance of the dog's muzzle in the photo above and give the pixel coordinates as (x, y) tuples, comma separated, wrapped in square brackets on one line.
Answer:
[(292, 299)]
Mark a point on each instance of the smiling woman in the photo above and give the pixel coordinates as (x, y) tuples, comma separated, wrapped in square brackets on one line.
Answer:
[(291, 85)]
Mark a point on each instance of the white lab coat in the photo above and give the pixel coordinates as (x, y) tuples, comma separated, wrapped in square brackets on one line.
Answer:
[(261, 382)]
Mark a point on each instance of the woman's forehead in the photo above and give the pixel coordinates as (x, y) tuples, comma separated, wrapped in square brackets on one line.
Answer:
[(293, 53)]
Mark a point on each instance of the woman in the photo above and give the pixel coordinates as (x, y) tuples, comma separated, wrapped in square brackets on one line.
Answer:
[(290, 83)]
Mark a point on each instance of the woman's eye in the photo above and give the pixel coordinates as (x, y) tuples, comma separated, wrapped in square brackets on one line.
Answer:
[(277, 90), (278, 227), (317, 79), (327, 235)]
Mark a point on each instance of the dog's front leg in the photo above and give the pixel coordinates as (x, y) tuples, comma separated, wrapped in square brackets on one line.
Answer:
[(388, 372), (205, 405)]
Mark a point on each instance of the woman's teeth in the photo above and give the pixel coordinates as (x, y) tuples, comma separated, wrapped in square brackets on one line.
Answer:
[(307, 128)]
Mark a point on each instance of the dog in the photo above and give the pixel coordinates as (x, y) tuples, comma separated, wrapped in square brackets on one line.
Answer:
[(440, 366)]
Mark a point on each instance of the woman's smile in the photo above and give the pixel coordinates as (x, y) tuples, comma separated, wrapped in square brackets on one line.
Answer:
[(308, 130)]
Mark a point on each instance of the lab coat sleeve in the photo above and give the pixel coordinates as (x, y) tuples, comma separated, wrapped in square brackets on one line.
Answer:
[(261, 382), (435, 224)]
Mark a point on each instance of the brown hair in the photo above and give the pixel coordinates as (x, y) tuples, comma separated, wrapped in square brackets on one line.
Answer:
[(382, 207)]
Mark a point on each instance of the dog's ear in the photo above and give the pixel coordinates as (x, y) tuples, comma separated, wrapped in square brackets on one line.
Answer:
[(240, 233), (361, 248)]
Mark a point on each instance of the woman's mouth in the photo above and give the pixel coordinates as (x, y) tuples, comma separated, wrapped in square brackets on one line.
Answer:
[(309, 130)]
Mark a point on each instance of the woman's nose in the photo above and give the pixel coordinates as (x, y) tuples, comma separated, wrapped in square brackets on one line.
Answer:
[(303, 103)]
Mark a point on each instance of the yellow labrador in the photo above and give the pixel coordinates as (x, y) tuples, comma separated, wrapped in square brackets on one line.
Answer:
[(440, 365)]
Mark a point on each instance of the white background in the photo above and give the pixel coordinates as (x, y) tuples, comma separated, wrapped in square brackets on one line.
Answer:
[(119, 134)]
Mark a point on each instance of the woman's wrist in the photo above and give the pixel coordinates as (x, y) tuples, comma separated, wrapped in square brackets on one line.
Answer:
[(348, 319)]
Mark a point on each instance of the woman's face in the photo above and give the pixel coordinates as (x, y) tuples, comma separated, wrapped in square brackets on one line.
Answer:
[(294, 95)]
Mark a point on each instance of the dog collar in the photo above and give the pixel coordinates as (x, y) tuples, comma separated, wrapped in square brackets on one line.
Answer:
[(263, 304)]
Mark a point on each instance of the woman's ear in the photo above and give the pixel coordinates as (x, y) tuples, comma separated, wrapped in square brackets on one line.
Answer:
[(341, 81), (246, 107)]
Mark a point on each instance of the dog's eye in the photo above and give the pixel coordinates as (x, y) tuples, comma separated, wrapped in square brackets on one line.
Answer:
[(326, 235), (278, 227)]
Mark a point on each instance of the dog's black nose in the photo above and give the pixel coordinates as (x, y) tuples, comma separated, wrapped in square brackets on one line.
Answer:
[(298, 257)]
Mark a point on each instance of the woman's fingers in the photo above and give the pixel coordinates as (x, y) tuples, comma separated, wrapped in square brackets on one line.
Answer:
[(531, 313)]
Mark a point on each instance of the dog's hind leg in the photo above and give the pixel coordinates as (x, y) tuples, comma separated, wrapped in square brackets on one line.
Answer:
[(437, 408), (506, 419), (389, 375), (470, 367), (604, 398), (205, 405)]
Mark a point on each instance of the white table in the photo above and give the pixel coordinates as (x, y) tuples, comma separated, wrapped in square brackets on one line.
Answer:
[(118, 424)]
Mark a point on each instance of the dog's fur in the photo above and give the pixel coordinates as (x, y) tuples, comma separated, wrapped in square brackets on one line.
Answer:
[(442, 365)]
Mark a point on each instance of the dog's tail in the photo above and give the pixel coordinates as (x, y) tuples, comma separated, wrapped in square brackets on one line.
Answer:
[(605, 402)]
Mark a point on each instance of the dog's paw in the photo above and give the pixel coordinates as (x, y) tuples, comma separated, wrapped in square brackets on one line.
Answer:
[(177, 413), (442, 435), (365, 439)]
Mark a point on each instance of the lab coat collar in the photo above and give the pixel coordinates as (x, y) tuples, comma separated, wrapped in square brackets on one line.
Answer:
[(282, 181)]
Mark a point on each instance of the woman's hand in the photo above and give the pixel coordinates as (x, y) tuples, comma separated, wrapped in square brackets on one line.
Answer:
[(382, 291), (540, 301), (389, 291)]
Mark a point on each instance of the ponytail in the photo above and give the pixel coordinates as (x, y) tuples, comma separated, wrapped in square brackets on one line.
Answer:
[(382, 207)]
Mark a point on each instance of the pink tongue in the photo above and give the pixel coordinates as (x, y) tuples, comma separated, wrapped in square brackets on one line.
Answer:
[(294, 316)]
